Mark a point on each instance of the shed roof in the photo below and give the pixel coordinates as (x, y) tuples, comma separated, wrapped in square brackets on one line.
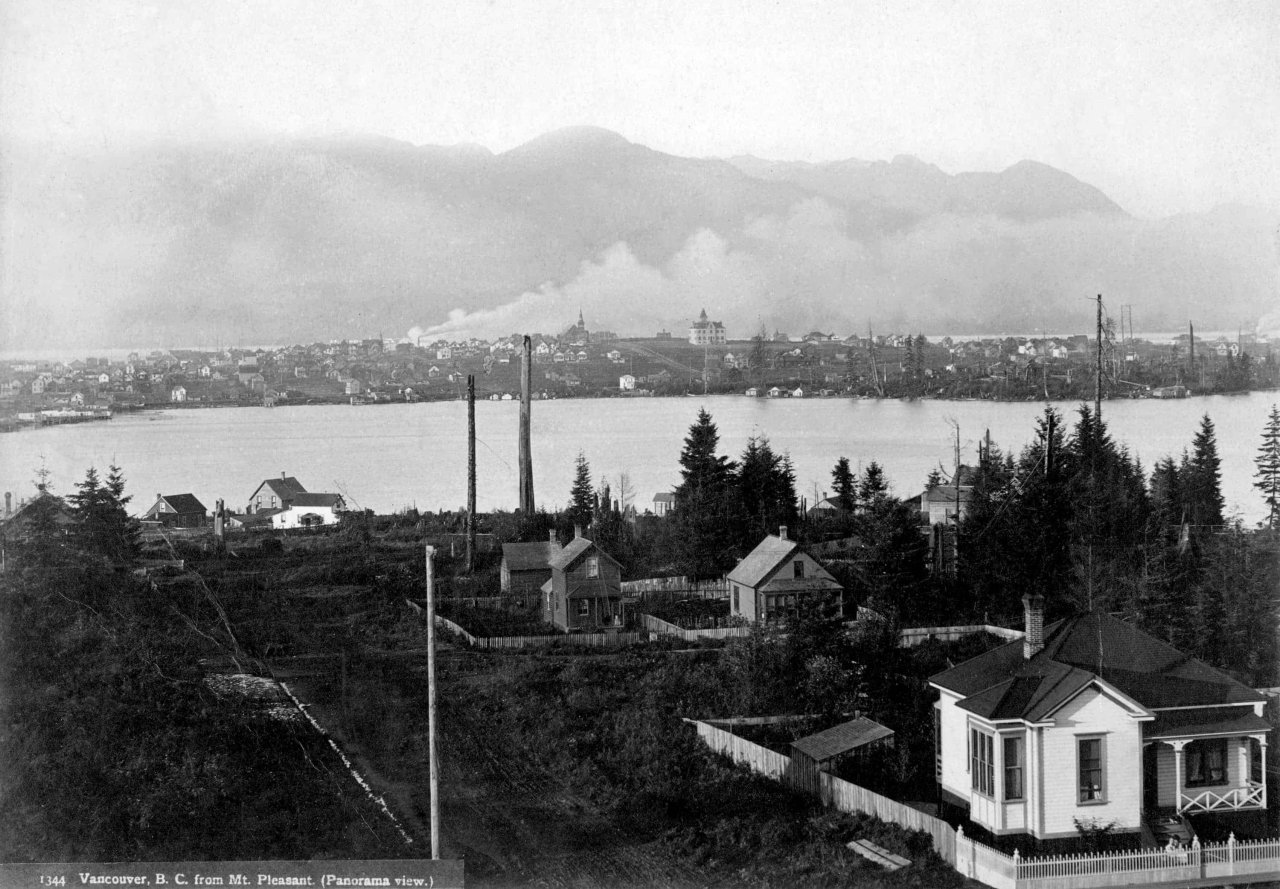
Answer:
[(530, 556), (843, 738)]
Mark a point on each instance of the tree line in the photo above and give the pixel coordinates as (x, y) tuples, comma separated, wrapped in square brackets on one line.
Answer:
[(1073, 515)]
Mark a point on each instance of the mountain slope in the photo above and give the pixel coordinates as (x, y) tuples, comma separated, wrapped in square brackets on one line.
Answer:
[(279, 241)]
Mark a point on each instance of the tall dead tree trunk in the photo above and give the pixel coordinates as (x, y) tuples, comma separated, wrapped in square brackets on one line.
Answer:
[(526, 406)]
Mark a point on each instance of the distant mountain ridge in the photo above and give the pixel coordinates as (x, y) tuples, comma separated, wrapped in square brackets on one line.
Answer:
[(314, 238), (1026, 191)]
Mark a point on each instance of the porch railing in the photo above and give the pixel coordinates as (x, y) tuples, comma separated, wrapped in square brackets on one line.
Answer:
[(1252, 796)]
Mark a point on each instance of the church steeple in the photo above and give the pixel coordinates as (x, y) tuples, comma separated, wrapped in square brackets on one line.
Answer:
[(581, 324)]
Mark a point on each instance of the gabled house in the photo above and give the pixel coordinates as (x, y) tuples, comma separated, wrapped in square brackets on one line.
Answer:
[(527, 566), (777, 578), (275, 493), (177, 511), (585, 589), (1092, 721)]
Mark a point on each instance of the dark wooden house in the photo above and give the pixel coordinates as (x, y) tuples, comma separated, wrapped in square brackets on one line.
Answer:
[(585, 589), (177, 511)]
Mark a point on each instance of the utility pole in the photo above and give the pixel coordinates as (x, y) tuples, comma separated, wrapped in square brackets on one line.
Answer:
[(431, 704), (526, 407), (1097, 385), (471, 473), (956, 548)]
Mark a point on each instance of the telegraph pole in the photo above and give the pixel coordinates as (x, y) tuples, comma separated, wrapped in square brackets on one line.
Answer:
[(431, 704), (471, 473), (1097, 388)]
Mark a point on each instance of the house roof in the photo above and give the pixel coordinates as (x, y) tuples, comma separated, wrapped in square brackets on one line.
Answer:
[(1003, 684), (761, 561), (577, 547), (529, 556), (1206, 721), (302, 498), (770, 554), (664, 497), (184, 504), (843, 738), (283, 487)]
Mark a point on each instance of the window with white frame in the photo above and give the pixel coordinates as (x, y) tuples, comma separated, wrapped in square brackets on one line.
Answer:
[(1012, 767), (982, 762), (584, 608), (593, 567), (1089, 767)]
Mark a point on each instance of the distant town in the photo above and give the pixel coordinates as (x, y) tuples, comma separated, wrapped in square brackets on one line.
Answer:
[(578, 362)]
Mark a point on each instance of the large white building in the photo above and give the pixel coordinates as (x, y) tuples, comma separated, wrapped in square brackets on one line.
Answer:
[(706, 333)]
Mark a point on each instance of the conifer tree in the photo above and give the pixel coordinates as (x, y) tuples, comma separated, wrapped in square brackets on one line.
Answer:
[(1267, 477), (872, 488), (706, 513), (843, 484), (581, 496), (1203, 482)]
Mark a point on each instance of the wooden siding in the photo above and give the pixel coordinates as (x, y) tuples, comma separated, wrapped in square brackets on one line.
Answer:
[(1092, 714)]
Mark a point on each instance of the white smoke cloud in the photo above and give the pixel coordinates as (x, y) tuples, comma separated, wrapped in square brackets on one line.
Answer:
[(803, 271)]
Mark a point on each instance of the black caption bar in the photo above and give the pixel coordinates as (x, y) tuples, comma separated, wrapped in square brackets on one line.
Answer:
[(409, 873)]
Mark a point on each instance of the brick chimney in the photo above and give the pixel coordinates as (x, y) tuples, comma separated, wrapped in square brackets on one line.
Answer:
[(577, 531), (782, 532), (1033, 621)]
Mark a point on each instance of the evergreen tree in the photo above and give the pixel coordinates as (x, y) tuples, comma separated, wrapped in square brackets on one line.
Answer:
[(766, 489), (582, 499), (104, 526), (843, 484), (704, 472), (935, 479), (706, 514), (872, 488), (1203, 481), (1268, 472)]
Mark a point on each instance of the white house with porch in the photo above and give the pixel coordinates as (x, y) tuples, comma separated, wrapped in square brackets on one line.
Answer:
[(1092, 721)]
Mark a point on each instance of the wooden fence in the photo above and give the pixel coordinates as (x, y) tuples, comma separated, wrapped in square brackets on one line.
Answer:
[(913, 636), (658, 625), (833, 791), (595, 640), (1208, 862), (666, 589)]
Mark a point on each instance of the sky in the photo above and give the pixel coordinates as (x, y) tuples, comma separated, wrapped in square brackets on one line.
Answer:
[(1168, 107)]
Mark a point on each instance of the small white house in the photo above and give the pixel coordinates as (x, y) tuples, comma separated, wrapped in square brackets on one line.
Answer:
[(627, 383), (1091, 721), (178, 394), (309, 511)]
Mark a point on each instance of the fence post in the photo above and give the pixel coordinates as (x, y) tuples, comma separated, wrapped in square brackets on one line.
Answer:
[(1231, 853), (1198, 855), (1017, 860)]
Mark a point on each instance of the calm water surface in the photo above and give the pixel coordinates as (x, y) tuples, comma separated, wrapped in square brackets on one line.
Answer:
[(388, 457)]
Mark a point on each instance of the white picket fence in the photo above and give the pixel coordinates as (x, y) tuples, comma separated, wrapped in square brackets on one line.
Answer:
[(666, 628), (1138, 867), (1143, 867)]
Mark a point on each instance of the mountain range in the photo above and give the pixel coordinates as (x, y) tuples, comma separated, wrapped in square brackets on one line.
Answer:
[(287, 240)]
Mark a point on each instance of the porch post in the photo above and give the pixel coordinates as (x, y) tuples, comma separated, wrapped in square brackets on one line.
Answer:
[(1177, 773), (1262, 753)]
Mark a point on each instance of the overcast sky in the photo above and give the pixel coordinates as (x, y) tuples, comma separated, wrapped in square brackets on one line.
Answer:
[(1167, 106)]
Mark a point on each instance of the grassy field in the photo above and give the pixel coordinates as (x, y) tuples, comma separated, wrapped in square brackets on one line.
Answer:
[(566, 768)]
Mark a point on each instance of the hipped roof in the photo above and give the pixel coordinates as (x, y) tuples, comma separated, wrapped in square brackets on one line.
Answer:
[(1003, 684)]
